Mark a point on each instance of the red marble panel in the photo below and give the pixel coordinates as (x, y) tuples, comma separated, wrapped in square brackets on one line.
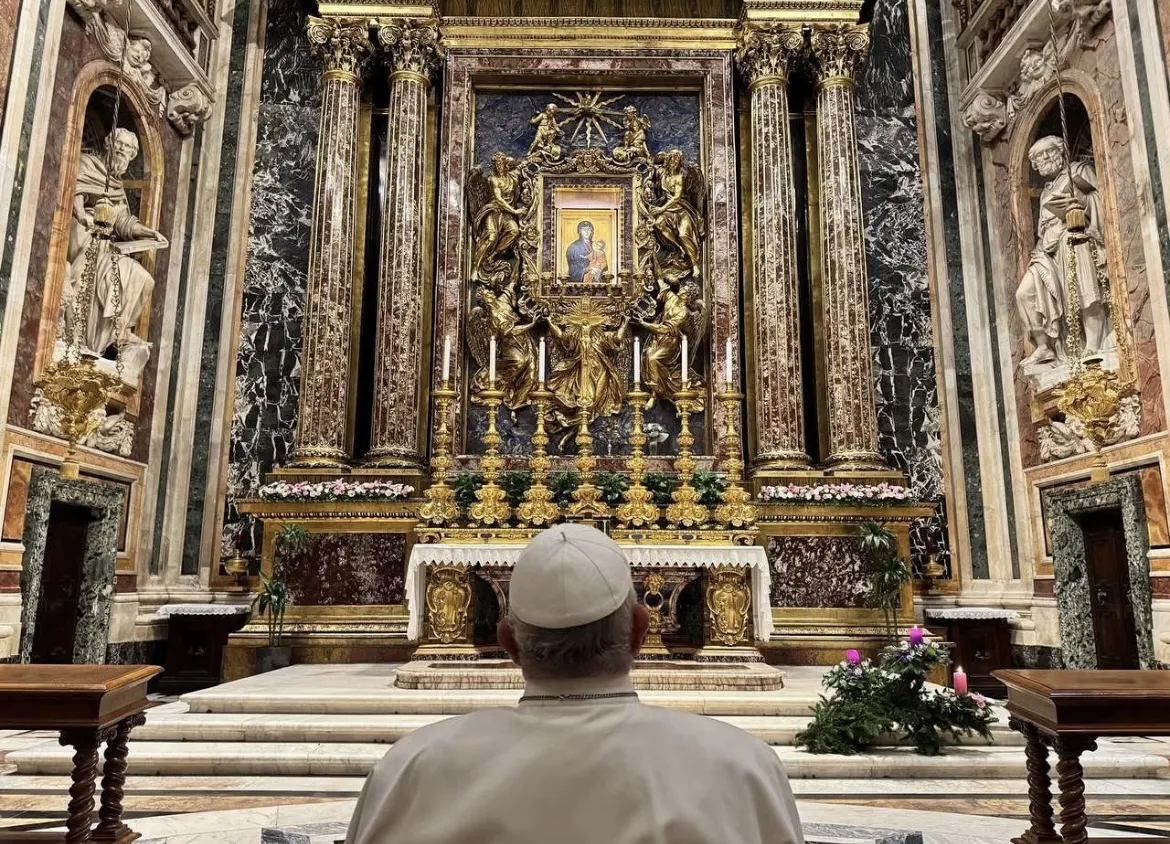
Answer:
[(338, 569), (77, 50), (17, 499), (9, 581), (1044, 587), (1160, 587), (125, 582)]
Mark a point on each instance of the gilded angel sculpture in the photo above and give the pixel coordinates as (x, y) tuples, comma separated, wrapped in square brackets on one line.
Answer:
[(495, 315), (681, 315), (678, 221), (496, 214), (633, 145), (548, 132)]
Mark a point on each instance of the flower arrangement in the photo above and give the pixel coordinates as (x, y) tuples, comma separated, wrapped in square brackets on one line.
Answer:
[(336, 490), (874, 700), (871, 494)]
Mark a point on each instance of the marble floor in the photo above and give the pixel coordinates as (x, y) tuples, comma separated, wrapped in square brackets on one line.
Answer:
[(289, 750)]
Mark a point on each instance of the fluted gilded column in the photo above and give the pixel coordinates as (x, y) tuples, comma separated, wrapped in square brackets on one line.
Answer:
[(325, 327), (837, 52), (764, 55), (413, 50)]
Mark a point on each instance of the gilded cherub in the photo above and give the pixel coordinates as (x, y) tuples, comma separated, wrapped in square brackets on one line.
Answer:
[(496, 214), (633, 145), (548, 132)]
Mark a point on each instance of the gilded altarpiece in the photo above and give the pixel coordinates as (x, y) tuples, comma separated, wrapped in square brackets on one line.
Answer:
[(677, 115)]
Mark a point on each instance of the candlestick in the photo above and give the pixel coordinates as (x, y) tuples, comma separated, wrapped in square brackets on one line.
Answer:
[(492, 362), (638, 509), (491, 501), (727, 364), (916, 634), (538, 508), (439, 508), (446, 358), (960, 681), (637, 361), (686, 511), (684, 356), (736, 510), (541, 367)]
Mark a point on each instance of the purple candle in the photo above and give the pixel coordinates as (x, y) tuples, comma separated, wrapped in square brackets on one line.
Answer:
[(852, 656), (916, 634)]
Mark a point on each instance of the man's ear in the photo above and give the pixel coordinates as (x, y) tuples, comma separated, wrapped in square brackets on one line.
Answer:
[(640, 623), (506, 636)]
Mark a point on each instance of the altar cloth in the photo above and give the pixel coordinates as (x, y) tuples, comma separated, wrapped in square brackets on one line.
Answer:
[(640, 556)]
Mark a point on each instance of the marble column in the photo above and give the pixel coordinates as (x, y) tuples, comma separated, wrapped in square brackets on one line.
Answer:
[(413, 51), (837, 51), (325, 327), (764, 55)]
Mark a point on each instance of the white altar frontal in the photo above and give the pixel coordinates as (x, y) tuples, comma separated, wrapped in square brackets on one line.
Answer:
[(706, 602)]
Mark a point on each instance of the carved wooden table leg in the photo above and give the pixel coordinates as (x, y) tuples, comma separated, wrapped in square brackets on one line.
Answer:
[(85, 758), (1070, 778), (110, 826), (1041, 830)]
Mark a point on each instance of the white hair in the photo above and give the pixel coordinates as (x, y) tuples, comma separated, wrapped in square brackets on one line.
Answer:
[(598, 649), (122, 134), (1046, 143)]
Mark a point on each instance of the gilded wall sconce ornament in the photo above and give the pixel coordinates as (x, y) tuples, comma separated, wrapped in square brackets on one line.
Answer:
[(81, 391), (638, 509), (1094, 395), (439, 508), (538, 508), (729, 602), (685, 509), (448, 600)]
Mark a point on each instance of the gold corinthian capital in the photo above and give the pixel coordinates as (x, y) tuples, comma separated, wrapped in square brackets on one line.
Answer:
[(838, 50), (764, 52), (341, 45), (411, 46)]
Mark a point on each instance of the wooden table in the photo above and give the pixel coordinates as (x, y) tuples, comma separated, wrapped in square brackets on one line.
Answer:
[(1068, 711), (89, 704)]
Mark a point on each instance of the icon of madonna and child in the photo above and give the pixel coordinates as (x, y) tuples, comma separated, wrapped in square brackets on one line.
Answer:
[(587, 259)]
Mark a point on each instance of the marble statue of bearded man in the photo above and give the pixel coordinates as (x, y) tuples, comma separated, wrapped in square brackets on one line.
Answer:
[(1043, 294), (117, 298)]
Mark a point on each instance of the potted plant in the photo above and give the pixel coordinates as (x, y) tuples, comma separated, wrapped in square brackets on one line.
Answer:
[(272, 600), (888, 571)]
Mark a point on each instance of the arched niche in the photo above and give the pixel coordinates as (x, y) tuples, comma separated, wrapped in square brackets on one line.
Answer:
[(1087, 136), (89, 120)]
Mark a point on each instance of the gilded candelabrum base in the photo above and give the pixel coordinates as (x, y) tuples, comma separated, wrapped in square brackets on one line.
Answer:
[(638, 508), (538, 508), (440, 508), (736, 509), (587, 503), (685, 509), (491, 501)]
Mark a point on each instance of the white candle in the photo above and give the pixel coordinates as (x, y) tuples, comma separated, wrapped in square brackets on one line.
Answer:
[(492, 363), (685, 355), (637, 361), (447, 358), (542, 360), (727, 363)]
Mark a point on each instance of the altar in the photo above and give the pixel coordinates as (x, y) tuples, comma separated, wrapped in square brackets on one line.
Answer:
[(734, 589)]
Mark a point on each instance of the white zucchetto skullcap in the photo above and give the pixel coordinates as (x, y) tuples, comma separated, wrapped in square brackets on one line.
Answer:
[(569, 575)]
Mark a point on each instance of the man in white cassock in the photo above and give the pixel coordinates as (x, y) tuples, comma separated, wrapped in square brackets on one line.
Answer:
[(581, 760)]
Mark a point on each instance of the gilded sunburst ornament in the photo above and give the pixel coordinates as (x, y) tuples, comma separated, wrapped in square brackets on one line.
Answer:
[(589, 111)]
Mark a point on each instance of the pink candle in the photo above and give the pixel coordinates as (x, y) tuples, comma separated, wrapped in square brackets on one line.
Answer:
[(916, 634), (960, 681)]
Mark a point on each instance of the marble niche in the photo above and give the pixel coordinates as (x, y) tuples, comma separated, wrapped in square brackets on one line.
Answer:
[(95, 595), (1073, 599)]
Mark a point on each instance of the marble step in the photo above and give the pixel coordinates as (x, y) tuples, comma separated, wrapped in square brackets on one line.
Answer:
[(162, 758), (393, 701), (386, 729)]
